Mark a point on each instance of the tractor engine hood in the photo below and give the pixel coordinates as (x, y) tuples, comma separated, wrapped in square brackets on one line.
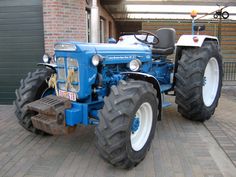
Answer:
[(119, 53), (104, 47), (109, 51)]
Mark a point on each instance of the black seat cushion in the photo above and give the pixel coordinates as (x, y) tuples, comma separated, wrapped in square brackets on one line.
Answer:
[(166, 45)]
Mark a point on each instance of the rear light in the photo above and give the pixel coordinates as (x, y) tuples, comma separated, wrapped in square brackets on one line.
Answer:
[(121, 38), (195, 39)]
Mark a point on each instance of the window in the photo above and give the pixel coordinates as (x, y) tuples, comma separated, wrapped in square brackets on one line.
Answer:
[(102, 30), (110, 30), (88, 26)]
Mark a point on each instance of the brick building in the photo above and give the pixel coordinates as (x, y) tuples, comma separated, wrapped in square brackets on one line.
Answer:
[(72, 20)]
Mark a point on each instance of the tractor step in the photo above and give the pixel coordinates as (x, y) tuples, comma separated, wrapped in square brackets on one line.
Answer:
[(50, 114)]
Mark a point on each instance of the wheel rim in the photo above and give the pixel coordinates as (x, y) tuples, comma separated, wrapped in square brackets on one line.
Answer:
[(141, 126), (210, 82)]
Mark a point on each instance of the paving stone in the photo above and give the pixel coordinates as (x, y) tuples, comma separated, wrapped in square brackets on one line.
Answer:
[(224, 130), (178, 149)]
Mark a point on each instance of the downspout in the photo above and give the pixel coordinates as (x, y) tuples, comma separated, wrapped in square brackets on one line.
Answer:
[(94, 22)]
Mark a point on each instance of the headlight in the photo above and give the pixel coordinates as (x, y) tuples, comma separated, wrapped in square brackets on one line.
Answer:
[(46, 58), (135, 65), (96, 60)]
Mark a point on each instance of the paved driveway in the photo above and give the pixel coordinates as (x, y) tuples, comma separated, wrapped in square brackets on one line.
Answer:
[(180, 148)]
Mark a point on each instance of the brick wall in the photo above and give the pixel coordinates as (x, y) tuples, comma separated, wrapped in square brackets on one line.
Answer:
[(63, 20)]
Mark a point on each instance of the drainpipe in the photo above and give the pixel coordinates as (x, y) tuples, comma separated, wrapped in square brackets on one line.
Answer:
[(94, 22)]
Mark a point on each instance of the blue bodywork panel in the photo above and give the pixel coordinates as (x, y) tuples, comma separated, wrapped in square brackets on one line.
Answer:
[(80, 113), (94, 82)]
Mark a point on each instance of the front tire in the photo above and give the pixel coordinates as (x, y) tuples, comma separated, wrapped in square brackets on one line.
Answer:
[(127, 123), (32, 88), (199, 81)]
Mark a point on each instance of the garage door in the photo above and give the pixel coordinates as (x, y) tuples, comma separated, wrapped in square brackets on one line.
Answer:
[(21, 43)]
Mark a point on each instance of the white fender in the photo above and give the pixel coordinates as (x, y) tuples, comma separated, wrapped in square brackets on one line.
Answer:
[(187, 40)]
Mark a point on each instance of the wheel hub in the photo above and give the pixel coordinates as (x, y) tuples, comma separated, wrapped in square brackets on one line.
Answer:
[(204, 81), (135, 125)]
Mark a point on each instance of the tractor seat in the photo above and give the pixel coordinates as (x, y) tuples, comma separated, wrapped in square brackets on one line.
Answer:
[(166, 45)]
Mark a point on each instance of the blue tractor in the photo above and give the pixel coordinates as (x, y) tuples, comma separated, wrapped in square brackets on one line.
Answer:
[(120, 89)]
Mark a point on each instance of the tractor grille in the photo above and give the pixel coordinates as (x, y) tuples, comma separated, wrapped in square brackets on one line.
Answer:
[(68, 74)]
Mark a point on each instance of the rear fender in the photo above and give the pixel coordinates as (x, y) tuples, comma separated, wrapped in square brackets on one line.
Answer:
[(148, 78), (188, 40)]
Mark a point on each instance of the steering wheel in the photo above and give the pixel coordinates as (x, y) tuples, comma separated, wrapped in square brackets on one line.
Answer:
[(145, 40)]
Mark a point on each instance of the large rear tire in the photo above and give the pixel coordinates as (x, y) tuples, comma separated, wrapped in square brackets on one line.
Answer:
[(127, 123), (32, 88), (199, 81)]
